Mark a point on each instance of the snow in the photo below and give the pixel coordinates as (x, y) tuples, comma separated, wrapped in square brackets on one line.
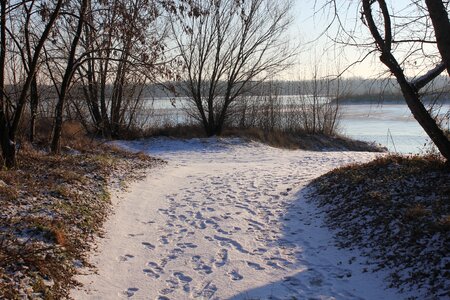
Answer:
[(226, 219)]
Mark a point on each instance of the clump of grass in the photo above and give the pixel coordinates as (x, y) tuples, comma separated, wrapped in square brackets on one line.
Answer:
[(69, 176), (51, 230), (177, 131), (8, 193), (273, 138), (62, 191), (416, 213), (396, 209)]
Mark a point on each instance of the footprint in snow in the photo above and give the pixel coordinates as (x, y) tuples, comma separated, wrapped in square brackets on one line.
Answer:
[(206, 290), (174, 253), (222, 258), (126, 257), (293, 281), (316, 281), (200, 266), (177, 279), (135, 234), (260, 251), (235, 276), (200, 225), (163, 211), (153, 271), (182, 277), (148, 246), (129, 292), (164, 240), (274, 265), (224, 241), (166, 291), (255, 266), (187, 245)]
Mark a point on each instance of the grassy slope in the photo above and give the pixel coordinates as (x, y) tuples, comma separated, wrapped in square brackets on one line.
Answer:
[(397, 211), (50, 207)]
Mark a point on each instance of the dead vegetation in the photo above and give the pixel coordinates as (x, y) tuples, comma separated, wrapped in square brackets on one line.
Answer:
[(51, 206), (397, 211), (275, 138), (303, 140)]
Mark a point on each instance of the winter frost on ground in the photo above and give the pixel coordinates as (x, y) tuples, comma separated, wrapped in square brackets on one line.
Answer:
[(226, 219)]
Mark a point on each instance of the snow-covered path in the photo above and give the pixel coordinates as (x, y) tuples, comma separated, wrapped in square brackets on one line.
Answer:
[(226, 220)]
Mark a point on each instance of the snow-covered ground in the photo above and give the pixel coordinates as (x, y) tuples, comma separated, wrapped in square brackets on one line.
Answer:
[(226, 219)]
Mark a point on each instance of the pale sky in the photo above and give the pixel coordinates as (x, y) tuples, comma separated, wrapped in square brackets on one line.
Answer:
[(317, 48), (331, 58)]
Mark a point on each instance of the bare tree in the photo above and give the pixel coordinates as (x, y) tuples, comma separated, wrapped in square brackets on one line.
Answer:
[(72, 63), (12, 106), (410, 88), (124, 42), (7, 149), (316, 105), (226, 47), (414, 45)]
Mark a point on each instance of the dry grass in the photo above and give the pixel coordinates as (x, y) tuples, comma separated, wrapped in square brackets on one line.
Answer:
[(177, 131), (276, 138), (397, 210), (8, 193), (302, 140), (272, 138), (50, 207)]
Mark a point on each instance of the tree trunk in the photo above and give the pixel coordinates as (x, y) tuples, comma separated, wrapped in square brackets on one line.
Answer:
[(209, 129), (419, 111), (8, 148), (32, 71), (409, 91), (91, 91), (117, 97), (70, 68), (34, 102), (441, 25), (218, 129), (106, 124)]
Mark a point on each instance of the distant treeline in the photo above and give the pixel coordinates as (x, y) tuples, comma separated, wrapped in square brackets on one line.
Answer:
[(431, 98), (350, 90), (353, 89)]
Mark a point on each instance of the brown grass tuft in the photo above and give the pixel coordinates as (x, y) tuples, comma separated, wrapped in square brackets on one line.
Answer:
[(9, 193), (416, 212), (59, 236)]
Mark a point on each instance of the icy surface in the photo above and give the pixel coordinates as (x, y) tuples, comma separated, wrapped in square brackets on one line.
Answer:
[(226, 219)]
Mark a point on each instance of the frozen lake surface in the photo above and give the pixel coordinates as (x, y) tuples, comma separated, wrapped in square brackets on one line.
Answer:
[(390, 125)]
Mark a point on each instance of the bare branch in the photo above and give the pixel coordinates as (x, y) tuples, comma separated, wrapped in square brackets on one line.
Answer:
[(423, 80)]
